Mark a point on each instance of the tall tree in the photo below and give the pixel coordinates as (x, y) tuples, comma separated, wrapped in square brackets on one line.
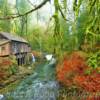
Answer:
[(22, 6), (5, 25)]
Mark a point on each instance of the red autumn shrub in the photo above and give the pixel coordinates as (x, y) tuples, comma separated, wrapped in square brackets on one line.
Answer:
[(4, 66), (71, 72), (69, 68), (2, 75), (92, 98), (6, 63), (90, 83), (37, 53)]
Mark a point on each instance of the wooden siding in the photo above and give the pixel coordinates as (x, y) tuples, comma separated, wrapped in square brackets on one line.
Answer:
[(14, 48), (8, 47), (5, 49), (18, 47)]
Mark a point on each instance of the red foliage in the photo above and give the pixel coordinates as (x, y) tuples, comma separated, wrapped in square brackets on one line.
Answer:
[(2, 75), (70, 67), (89, 83), (72, 72), (92, 98), (37, 53), (6, 63)]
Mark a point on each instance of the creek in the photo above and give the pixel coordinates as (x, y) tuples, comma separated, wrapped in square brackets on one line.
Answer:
[(41, 85)]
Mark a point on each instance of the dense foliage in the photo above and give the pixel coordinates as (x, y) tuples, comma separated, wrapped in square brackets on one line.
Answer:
[(7, 67), (74, 73)]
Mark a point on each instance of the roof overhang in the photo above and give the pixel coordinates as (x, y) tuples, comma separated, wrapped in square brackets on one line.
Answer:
[(13, 37), (2, 42)]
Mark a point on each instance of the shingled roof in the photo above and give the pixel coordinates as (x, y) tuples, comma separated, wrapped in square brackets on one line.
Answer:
[(12, 37)]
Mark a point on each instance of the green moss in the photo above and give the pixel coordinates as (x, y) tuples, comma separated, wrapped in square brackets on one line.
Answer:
[(10, 87)]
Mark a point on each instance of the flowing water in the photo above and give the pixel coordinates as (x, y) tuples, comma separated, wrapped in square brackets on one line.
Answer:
[(41, 85)]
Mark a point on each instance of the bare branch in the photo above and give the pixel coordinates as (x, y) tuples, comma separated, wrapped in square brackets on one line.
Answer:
[(20, 15), (31, 3), (63, 14)]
